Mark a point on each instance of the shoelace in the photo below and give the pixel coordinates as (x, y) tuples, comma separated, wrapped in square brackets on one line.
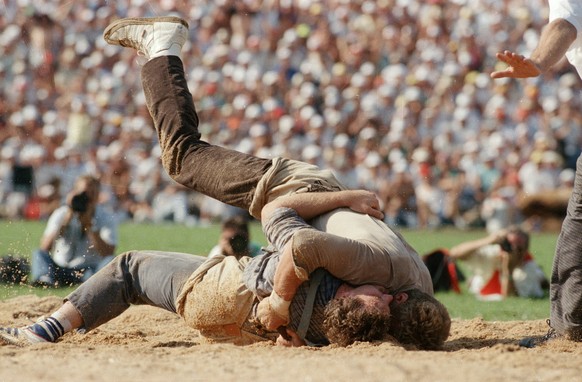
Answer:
[(131, 43), (530, 342), (551, 331)]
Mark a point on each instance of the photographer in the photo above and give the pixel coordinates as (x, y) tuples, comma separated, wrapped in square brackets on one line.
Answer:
[(79, 239), (501, 265), (235, 239)]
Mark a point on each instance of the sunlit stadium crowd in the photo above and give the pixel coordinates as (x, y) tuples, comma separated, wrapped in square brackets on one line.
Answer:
[(393, 95)]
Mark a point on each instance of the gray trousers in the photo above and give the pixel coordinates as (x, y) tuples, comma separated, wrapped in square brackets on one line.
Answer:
[(137, 277), (566, 281)]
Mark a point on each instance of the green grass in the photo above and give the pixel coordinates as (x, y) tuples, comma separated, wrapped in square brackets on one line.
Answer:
[(21, 238)]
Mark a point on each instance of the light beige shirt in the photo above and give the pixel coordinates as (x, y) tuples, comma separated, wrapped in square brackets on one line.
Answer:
[(353, 247), (385, 256)]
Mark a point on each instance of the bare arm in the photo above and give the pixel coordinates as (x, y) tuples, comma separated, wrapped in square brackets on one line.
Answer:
[(555, 40), (286, 280), (463, 250), (101, 246), (48, 239), (506, 275), (311, 204)]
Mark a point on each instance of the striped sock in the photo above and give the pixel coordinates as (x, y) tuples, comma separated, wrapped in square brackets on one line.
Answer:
[(49, 329)]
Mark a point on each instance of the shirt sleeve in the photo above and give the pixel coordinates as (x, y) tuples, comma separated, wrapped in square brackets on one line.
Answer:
[(259, 274), (55, 221), (282, 225), (347, 259), (569, 10)]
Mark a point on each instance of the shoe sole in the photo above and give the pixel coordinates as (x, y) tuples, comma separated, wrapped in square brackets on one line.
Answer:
[(10, 340), (116, 25)]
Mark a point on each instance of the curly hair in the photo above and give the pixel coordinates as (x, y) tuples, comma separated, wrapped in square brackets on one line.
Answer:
[(421, 321), (347, 320)]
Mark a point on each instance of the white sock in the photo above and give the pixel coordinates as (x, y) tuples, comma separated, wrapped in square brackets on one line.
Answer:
[(173, 50)]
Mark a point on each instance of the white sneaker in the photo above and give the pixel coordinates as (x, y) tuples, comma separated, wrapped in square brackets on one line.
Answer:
[(151, 37), (20, 336)]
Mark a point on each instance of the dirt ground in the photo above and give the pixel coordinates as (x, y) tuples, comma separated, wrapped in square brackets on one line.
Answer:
[(149, 344)]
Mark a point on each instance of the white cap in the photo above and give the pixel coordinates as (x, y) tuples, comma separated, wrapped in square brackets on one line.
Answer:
[(550, 156)]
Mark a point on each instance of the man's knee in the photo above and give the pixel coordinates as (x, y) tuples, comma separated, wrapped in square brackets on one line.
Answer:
[(123, 263)]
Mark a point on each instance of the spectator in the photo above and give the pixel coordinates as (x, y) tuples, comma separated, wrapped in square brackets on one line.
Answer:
[(307, 73), (498, 209), (501, 265), (79, 239), (429, 201), (235, 239), (171, 205), (399, 200)]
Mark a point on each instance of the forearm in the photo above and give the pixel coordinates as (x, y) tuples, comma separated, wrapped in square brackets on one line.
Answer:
[(507, 287), (309, 204), (47, 241), (555, 40), (465, 249), (286, 280)]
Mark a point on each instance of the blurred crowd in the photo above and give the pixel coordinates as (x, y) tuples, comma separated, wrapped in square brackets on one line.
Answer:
[(393, 95)]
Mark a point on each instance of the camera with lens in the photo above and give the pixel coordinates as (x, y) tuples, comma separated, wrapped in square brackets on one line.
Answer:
[(239, 243), (80, 202), (506, 245)]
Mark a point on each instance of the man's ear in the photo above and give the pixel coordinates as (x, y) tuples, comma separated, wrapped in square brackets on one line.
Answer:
[(401, 297)]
